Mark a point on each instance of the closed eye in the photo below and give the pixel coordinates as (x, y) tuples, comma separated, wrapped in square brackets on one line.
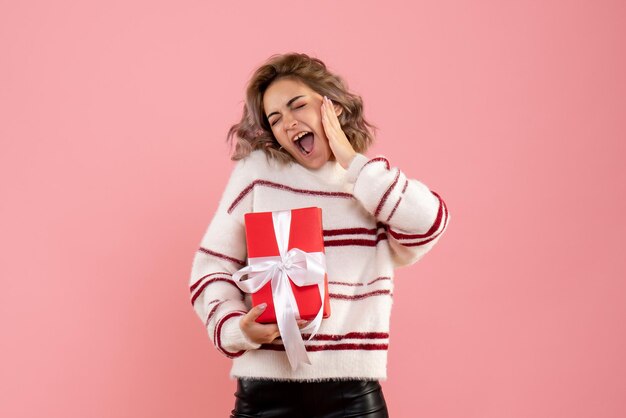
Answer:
[(277, 119)]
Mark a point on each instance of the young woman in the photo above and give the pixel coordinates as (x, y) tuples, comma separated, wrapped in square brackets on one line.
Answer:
[(300, 143)]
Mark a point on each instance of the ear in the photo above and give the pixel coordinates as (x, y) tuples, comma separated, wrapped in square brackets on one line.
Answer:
[(338, 109)]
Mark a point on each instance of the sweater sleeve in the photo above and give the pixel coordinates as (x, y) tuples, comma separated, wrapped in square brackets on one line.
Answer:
[(413, 216), (215, 298)]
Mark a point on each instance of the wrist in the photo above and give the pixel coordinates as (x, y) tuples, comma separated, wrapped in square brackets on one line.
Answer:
[(349, 161), (355, 167), (234, 336), (346, 162)]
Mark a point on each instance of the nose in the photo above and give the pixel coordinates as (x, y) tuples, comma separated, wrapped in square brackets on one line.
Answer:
[(290, 122)]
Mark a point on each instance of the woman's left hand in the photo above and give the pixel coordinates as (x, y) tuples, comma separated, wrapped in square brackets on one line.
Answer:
[(339, 144)]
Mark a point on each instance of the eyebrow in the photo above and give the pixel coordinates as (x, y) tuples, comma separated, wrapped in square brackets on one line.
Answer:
[(288, 104)]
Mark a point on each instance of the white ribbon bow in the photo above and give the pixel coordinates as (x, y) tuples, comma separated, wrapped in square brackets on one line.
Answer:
[(303, 269)]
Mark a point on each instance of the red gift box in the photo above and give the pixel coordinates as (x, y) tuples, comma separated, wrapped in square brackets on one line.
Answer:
[(305, 233)]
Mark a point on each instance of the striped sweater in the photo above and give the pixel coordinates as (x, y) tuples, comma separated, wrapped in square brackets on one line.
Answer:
[(374, 219)]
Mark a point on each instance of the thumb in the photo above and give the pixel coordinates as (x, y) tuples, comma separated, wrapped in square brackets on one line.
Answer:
[(257, 311)]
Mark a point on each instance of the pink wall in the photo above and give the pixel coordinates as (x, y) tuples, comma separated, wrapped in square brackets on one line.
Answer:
[(112, 120)]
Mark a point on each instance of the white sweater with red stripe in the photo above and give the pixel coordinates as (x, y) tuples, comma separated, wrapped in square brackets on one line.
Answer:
[(374, 219)]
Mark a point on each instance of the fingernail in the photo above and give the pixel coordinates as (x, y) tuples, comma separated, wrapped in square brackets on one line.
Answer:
[(263, 305)]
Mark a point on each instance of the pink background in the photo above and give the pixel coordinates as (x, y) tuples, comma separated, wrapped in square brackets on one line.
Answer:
[(112, 120)]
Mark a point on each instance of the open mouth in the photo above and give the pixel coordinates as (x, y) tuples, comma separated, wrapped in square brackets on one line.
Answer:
[(305, 143)]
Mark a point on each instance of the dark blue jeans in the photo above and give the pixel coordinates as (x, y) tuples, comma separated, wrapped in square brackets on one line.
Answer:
[(292, 399)]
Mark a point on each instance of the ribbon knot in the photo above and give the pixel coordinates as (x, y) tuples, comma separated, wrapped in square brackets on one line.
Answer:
[(303, 269), (285, 264)]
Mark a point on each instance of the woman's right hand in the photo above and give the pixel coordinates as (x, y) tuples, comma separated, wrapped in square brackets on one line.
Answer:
[(261, 333)]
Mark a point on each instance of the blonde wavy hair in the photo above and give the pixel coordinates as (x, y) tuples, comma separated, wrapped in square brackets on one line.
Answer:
[(254, 132)]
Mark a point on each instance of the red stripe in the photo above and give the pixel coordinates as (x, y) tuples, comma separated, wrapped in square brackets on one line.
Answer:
[(217, 334), (222, 256), (210, 315), (280, 186), (386, 195), (379, 278), (217, 279), (373, 160), (406, 183), (360, 284), (394, 209), (415, 244), (359, 242), (367, 347), (361, 296), (442, 213), (432, 230), (196, 284), (348, 336), (346, 283), (348, 231)]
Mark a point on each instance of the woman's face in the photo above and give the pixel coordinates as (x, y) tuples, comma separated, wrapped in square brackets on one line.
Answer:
[(293, 109)]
